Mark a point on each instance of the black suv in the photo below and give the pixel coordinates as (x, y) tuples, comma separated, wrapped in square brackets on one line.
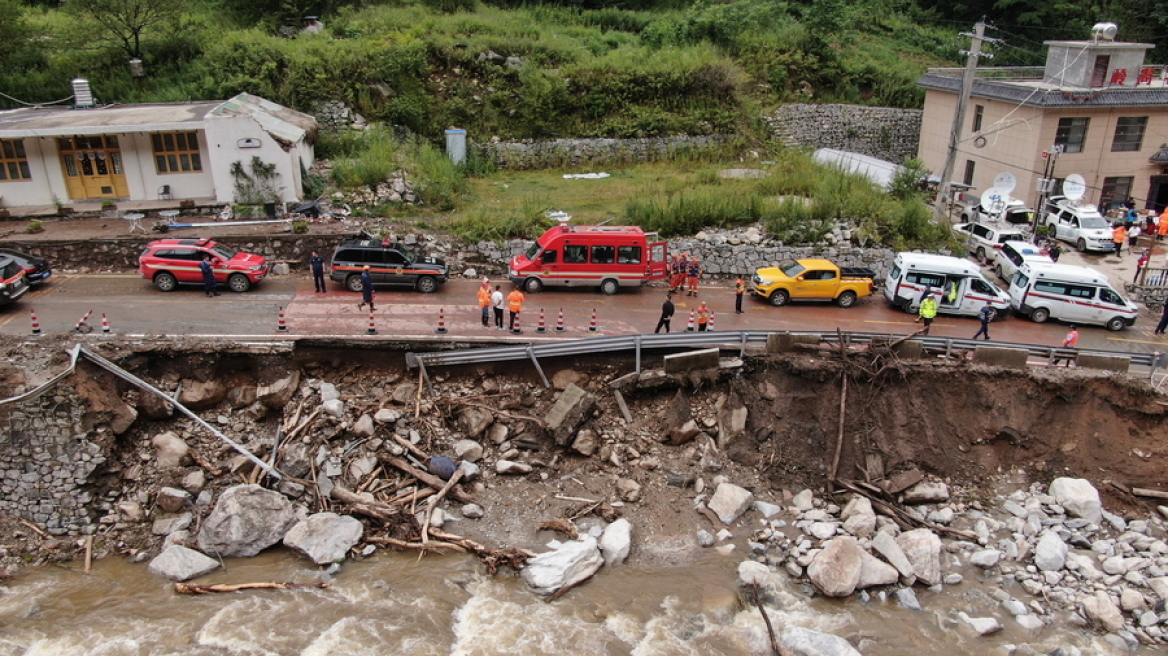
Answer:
[(388, 265), (13, 284), (36, 269)]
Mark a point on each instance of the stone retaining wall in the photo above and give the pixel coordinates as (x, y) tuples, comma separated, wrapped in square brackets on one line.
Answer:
[(884, 132), (569, 153), (46, 460)]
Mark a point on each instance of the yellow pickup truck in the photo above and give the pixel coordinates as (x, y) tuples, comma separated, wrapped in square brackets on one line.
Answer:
[(812, 280)]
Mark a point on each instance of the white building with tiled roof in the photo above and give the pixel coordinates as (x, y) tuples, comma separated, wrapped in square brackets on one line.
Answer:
[(147, 152), (1097, 101)]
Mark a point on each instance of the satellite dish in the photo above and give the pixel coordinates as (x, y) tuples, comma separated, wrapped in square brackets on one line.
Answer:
[(995, 200), (1006, 182), (562, 217), (1074, 187)]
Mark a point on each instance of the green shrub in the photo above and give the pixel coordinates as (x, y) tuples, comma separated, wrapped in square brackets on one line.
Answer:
[(487, 225)]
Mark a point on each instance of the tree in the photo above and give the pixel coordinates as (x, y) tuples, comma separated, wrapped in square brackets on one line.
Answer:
[(123, 22)]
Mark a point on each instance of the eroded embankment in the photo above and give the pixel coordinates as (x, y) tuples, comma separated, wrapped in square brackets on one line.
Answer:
[(770, 425)]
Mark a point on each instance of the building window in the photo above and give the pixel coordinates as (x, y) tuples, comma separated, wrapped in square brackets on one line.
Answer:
[(968, 178), (1129, 133), (978, 115), (1071, 134), (1115, 191), (13, 161), (177, 152)]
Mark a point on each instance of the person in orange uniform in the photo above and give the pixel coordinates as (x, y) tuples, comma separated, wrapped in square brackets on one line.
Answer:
[(1118, 237), (703, 317), (485, 302), (1163, 228), (678, 284), (1069, 342), (739, 291), (514, 305), (674, 263), (692, 275)]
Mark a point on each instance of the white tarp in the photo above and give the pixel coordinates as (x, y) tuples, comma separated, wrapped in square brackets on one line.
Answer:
[(878, 171)]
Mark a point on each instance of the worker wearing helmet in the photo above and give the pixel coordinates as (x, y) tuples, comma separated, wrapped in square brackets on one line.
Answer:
[(695, 270)]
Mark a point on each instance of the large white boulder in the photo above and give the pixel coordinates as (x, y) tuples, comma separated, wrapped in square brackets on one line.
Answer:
[(885, 545), (729, 502), (179, 563), (806, 642), (1079, 497), (1102, 611), (874, 571), (836, 569), (571, 563), (324, 537), (246, 520), (923, 549), (1050, 554), (616, 541)]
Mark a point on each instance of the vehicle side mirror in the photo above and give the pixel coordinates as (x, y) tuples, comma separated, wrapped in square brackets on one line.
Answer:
[(799, 278)]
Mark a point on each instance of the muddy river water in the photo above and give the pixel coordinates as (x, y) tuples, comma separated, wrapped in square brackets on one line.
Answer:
[(392, 603)]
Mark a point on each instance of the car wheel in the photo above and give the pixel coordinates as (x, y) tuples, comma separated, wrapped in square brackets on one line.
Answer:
[(846, 299), (1081, 245), (998, 270), (1116, 324), (165, 282), (1039, 315), (238, 283), (533, 285), (609, 287), (427, 284), (981, 256), (353, 283), (780, 297)]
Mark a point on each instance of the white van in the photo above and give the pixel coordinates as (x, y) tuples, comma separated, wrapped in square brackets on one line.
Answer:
[(957, 283), (1075, 294)]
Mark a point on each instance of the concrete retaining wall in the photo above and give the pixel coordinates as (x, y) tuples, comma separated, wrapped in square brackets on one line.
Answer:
[(884, 132), (571, 153)]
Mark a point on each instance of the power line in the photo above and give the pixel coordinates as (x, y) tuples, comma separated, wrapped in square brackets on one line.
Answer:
[(36, 104)]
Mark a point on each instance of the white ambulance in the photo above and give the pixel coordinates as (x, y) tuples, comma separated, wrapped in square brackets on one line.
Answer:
[(1074, 294), (957, 283)]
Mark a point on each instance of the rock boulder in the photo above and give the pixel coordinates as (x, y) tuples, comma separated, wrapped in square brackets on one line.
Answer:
[(324, 537), (246, 520), (1079, 497), (567, 565), (836, 569), (616, 541), (179, 563), (923, 549), (729, 502)]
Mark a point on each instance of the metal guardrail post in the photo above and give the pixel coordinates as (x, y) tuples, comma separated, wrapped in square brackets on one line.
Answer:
[(425, 376), (742, 349), (535, 361), (637, 341), (1157, 362)]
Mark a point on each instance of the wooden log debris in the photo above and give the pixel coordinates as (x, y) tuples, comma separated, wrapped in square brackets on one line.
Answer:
[(197, 589), (1145, 492), (427, 478)]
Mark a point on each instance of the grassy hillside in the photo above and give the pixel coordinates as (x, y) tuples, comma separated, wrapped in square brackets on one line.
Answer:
[(531, 71)]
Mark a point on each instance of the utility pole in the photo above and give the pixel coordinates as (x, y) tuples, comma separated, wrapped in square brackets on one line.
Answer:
[(1051, 158), (944, 198)]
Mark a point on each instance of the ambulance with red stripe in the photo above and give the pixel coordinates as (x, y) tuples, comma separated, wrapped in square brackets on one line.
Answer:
[(608, 257), (1075, 294), (956, 283)]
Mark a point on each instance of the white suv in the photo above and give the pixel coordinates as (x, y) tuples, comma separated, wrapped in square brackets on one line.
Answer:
[(1013, 254), (983, 239), (1081, 225)]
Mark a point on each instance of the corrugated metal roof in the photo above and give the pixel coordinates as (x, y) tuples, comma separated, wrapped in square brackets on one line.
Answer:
[(65, 121), (277, 120)]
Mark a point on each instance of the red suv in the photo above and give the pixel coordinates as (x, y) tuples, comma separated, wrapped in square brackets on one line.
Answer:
[(173, 262)]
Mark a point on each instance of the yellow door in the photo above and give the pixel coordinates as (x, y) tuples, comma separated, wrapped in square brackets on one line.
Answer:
[(93, 167)]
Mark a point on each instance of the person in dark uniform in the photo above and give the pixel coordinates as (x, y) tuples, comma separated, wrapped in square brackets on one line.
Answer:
[(208, 276), (666, 313), (366, 290), (317, 264)]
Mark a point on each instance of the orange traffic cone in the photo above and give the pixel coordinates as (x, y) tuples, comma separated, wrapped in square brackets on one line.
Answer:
[(441, 330), (689, 327), (710, 325), (36, 326), (372, 327), (592, 322), (515, 330), (540, 328), (105, 329), (83, 327), (280, 325), (560, 322)]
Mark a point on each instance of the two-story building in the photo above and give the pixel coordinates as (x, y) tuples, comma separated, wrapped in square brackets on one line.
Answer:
[(54, 155), (1095, 101)]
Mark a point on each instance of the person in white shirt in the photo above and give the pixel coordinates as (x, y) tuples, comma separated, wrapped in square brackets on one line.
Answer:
[(497, 305)]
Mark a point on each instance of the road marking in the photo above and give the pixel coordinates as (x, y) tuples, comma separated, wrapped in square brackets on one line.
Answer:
[(895, 323), (1137, 341)]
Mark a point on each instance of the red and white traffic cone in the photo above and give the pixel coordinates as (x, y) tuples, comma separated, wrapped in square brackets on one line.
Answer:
[(560, 322), (592, 322), (280, 325), (515, 330), (689, 327), (105, 328), (81, 325), (372, 326), (710, 325), (441, 330), (540, 328), (36, 325)]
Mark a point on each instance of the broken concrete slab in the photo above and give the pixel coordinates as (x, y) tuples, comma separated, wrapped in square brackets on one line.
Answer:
[(1001, 357), (1116, 363), (568, 413), (729, 502), (786, 342), (676, 363)]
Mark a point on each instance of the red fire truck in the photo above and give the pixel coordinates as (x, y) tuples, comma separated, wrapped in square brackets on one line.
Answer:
[(610, 257)]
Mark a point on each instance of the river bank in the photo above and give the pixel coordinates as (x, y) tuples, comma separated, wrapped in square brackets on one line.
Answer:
[(720, 468)]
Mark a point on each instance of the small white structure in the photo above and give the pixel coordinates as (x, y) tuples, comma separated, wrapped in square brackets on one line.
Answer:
[(151, 151), (877, 170)]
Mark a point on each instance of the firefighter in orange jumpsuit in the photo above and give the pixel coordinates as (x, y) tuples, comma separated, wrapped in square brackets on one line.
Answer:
[(695, 270)]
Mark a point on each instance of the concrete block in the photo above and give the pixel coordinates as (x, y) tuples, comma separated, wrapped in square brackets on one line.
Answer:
[(676, 363), (1116, 363), (909, 349), (568, 413), (785, 342), (1001, 357)]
